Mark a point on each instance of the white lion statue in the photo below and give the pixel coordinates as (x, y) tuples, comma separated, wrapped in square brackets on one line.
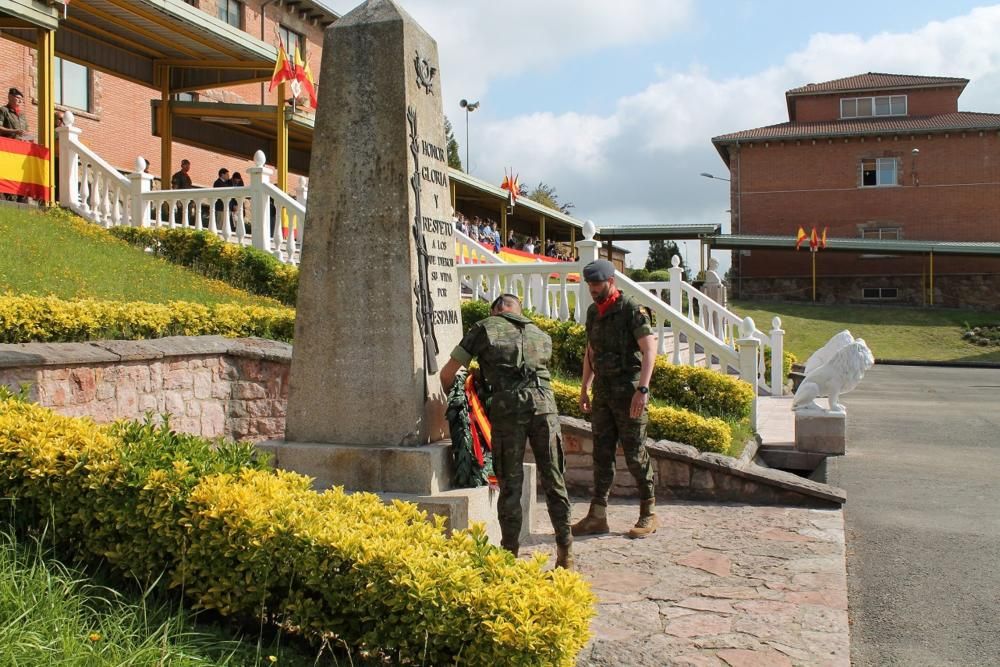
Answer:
[(845, 364), (825, 353)]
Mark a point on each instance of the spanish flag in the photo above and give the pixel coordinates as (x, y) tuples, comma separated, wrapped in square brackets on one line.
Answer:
[(283, 69), (304, 76), (800, 238), (814, 240), (24, 169), (822, 240)]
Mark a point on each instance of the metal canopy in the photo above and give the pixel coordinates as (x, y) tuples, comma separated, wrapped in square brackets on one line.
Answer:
[(138, 39), (657, 232), (485, 191), (29, 14), (239, 130), (874, 246)]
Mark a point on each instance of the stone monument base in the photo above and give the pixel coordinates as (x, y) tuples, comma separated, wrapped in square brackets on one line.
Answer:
[(821, 432), (420, 475)]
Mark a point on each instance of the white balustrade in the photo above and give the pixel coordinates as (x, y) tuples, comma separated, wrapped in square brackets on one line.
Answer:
[(257, 214)]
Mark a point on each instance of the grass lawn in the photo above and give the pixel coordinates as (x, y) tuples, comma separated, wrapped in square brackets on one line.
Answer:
[(52, 254), (925, 334), (54, 615)]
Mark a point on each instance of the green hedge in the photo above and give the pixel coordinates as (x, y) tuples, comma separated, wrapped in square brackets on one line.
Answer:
[(703, 390), (25, 319), (253, 543), (241, 266)]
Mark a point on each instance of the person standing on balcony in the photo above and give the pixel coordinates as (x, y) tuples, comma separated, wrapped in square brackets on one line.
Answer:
[(181, 180), (13, 121), (513, 357), (621, 350)]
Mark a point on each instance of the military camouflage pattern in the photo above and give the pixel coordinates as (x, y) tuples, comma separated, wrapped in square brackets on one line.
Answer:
[(513, 359), (11, 120), (616, 363)]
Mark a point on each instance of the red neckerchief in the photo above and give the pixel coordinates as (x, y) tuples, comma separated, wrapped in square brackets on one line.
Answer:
[(16, 109), (612, 299)]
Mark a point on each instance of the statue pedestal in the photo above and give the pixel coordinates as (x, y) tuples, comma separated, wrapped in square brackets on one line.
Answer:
[(821, 432), (420, 475)]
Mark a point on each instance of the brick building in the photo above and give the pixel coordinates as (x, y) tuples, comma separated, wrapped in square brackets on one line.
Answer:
[(872, 156), (115, 114)]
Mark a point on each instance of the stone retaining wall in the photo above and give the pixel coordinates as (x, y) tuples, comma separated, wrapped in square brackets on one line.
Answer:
[(210, 385), (218, 387)]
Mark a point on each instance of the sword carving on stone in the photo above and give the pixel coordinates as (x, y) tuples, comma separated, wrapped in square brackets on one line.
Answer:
[(422, 288)]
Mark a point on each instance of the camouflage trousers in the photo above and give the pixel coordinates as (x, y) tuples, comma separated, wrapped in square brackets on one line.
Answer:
[(509, 436), (611, 425)]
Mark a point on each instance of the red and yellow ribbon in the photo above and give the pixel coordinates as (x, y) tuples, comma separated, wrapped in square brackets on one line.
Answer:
[(482, 434)]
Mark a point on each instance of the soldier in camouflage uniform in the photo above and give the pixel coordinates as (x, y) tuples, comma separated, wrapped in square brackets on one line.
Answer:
[(513, 357), (621, 350)]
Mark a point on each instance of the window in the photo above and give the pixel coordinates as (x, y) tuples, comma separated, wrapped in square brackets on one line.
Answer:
[(866, 107), (879, 172), (292, 40), (231, 12), (72, 84), (879, 293), (186, 97), (881, 233)]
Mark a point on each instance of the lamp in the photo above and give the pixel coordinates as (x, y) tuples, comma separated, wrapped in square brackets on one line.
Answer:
[(469, 108)]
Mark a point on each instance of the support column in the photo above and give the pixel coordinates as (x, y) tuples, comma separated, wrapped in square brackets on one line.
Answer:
[(541, 235), (607, 249), (47, 105), (932, 278), (166, 129), (503, 223), (281, 159), (572, 237)]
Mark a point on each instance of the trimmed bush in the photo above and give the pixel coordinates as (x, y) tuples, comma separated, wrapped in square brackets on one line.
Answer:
[(707, 434), (786, 363), (25, 319), (243, 267), (253, 543)]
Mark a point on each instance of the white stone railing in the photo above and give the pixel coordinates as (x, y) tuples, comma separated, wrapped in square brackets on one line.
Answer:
[(544, 286), (257, 214), (722, 323)]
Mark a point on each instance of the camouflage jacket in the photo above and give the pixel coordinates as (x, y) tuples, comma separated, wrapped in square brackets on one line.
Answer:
[(513, 357), (11, 120), (614, 339)]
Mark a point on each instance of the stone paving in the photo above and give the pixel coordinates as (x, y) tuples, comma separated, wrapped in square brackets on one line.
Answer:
[(717, 584)]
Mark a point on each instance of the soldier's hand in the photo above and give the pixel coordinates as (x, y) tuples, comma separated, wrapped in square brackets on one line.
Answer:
[(639, 401), (585, 402)]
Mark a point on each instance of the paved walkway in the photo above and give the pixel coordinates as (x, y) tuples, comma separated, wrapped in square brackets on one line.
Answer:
[(716, 585)]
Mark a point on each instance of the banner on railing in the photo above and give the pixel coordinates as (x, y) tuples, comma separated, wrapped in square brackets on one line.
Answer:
[(24, 169)]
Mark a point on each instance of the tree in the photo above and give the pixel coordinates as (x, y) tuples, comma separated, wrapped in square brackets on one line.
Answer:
[(454, 160), (546, 196), (660, 252)]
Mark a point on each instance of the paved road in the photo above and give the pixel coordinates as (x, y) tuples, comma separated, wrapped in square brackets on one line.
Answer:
[(923, 516)]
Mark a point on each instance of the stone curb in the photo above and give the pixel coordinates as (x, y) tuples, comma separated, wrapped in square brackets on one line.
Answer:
[(939, 364), (14, 355)]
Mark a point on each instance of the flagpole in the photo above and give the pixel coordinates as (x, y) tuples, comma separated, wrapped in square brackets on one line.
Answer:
[(812, 251)]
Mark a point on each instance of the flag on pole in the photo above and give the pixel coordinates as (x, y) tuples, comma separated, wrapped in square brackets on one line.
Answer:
[(822, 241), (511, 185), (304, 76), (813, 240), (800, 237), (283, 69)]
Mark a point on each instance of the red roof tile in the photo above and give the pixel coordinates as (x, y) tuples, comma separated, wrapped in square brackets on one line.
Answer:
[(876, 81), (958, 121)]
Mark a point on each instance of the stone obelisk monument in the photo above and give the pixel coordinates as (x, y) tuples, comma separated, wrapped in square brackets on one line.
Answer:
[(378, 304)]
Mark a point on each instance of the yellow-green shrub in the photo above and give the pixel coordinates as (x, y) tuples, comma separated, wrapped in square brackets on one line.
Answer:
[(702, 390), (377, 576), (708, 434), (26, 319), (243, 267), (256, 543)]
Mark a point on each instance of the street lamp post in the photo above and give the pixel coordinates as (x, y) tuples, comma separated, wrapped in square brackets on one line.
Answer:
[(733, 229), (469, 108)]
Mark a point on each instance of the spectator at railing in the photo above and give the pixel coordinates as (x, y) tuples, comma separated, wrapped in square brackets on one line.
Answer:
[(223, 181), (529, 246), (234, 204), (511, 241)]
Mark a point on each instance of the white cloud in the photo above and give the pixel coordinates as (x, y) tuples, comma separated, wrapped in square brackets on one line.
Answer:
[(481, 40), (640, 164)]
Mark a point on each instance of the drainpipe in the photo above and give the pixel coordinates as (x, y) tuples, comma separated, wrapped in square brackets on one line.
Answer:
[(262, 7)]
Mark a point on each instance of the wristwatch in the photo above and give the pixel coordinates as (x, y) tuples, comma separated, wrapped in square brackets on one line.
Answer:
[(642, 390)]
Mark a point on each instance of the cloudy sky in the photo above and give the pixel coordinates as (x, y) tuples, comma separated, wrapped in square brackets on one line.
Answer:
[(615, 103)]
